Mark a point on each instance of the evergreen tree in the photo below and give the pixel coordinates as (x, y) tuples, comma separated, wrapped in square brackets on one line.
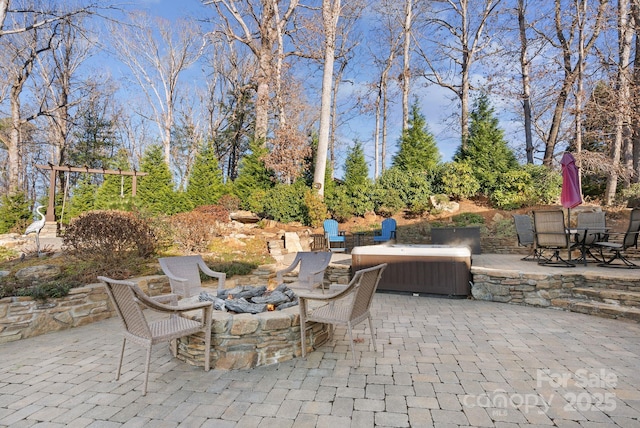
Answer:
[(82, 200), (205, 180), (254, 179), (95, 141), (418, 150), (486, 150), (357, 184), (155, 191), (115, 191), (14, 213)]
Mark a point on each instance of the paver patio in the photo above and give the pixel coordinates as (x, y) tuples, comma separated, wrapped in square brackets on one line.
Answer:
[(440, 362)]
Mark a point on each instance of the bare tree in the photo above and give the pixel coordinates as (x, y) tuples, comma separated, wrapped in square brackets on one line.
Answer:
[(406, 57), (385, 51), (20, 52), (157, 52), (260, 26), (330, 16), (623, 97), (525, 67), (46, 13), (28, 31), (635, 121), (456, 35), (577, 30)]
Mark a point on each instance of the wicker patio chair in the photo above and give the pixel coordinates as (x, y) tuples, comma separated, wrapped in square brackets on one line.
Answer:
[(128, 300), (629, 239), (312, 266), (551, 234), (184, 274), (346, 307), (526, 235)]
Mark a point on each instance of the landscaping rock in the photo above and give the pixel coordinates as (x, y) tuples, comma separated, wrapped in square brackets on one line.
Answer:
[(38, 273)]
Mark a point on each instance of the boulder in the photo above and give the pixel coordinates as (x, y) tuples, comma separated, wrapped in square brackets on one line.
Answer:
[(38, 273)]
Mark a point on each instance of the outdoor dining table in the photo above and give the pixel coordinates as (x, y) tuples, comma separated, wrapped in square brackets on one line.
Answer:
[(584, 250)]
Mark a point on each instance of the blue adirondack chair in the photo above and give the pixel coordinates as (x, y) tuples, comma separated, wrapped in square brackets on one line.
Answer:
[(334, 236), (388, 231)]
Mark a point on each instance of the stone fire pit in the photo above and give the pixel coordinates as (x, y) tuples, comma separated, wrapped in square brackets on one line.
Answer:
[(243, 341)]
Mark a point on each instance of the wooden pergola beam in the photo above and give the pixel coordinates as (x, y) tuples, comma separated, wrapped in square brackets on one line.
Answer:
[(50, 216)]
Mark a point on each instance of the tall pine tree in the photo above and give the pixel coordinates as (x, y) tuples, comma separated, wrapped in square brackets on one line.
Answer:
[(155, 191), (205, 184), (254, 179), (418, 150), (357, 183), (115, 191), (486, 150)]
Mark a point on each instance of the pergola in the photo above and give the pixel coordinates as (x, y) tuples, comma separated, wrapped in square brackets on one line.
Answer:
[(50, 216)]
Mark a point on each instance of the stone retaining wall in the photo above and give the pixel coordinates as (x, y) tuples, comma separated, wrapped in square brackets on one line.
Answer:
[(23, 317), (538, 289)]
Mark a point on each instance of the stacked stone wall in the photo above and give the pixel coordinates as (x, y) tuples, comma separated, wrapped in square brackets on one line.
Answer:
[(538, 289)]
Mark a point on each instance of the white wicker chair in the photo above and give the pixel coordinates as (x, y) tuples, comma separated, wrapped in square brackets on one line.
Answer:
[(184, 274), (127, 298), (311, 271), (346, 307)]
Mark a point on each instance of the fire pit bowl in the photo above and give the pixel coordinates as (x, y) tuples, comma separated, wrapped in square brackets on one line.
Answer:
[(243, 341)]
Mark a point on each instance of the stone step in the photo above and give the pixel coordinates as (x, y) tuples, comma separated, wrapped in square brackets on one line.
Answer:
[(602, 309), (606, 295)]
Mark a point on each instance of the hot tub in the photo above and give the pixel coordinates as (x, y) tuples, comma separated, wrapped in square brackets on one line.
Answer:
[(427, 269)]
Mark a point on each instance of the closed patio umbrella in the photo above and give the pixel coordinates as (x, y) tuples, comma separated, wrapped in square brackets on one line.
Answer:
[(571, 195)]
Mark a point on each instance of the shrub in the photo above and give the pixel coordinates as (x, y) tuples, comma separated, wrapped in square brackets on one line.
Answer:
[(14, 213), (233, 268), (632, 194), (110, 235), (410, 187), (49, 290), (217, 212), (513, 190), (229, 202), (467, 219), (387, 202), (526, 186), (316, 208), (458, 180), (285, 203), (339, 204), (192, 231)]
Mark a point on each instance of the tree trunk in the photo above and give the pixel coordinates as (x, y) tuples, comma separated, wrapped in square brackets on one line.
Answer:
[(623, 88), (526, 83), (406, 71), (635, 9), (330, 15)]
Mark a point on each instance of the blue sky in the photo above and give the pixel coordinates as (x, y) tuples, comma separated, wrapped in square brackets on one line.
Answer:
[(436, 103)]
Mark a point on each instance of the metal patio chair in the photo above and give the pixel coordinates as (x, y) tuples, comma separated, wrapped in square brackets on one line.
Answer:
[(551, 234), (629, 240), (526, 235), (591, 227)]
